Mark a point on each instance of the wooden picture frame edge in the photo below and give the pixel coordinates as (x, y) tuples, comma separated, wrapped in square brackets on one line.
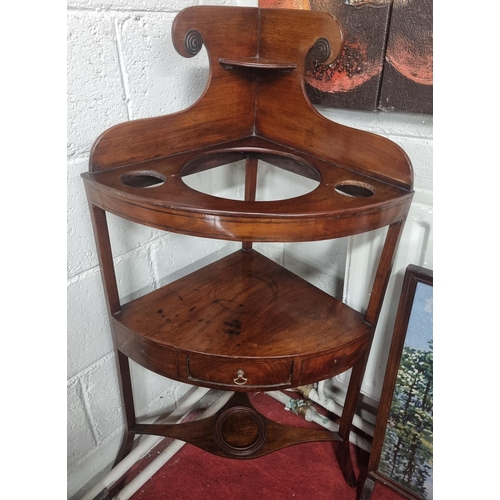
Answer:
[(413, 275)]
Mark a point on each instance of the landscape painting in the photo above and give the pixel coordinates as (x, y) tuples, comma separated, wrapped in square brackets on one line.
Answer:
[(407, 450)]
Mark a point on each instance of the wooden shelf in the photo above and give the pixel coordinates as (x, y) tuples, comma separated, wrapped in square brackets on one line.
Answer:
[(235, 314), (170, 204)]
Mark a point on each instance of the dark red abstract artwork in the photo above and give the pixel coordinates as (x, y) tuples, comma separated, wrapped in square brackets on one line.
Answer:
[(387, 59)]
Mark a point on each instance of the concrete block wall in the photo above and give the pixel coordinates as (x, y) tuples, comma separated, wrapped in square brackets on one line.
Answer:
[(122, 66)]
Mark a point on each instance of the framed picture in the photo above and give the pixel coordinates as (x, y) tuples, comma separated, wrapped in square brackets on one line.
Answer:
[(402, 447)]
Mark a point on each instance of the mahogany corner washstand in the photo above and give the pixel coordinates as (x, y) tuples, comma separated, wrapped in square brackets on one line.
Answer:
[(244, 323)]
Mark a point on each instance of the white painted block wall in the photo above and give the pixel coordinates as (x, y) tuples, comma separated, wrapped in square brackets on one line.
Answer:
[(122, 66)]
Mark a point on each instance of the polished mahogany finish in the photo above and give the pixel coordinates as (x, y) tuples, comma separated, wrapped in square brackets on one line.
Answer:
[(170, 204), (236, 314), (244, 323)]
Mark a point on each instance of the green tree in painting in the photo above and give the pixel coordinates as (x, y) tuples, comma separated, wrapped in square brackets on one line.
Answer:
[(407, 451)]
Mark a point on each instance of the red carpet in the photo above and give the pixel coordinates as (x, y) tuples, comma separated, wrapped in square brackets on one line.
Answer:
[(299, 472)]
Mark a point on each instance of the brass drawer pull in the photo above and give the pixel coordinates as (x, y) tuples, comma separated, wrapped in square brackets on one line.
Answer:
[(240, 378)]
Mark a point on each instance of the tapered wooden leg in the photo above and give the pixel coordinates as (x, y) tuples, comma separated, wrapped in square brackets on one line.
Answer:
[(127, 404), (345, 462), (105, 255), (351, 401)]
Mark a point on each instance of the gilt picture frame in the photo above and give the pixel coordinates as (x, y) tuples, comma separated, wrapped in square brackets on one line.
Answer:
[(402, 447)]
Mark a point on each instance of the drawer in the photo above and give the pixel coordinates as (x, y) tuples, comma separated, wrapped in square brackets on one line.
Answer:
[(328, 365), (145, 352), (239, 373)]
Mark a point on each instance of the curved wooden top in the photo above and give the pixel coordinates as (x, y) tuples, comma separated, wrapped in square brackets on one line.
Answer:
[(236, 104), (254, 103), (172, 205)]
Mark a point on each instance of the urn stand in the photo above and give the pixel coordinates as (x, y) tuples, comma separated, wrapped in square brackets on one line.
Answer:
[(245, 323)]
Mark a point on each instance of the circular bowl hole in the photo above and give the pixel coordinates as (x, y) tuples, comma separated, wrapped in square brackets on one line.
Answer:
[(355, 189), (143, 179), (279, 175)]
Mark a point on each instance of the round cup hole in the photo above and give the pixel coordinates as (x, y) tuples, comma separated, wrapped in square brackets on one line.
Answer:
[(355, 189), (278, 176), (143, 179)]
